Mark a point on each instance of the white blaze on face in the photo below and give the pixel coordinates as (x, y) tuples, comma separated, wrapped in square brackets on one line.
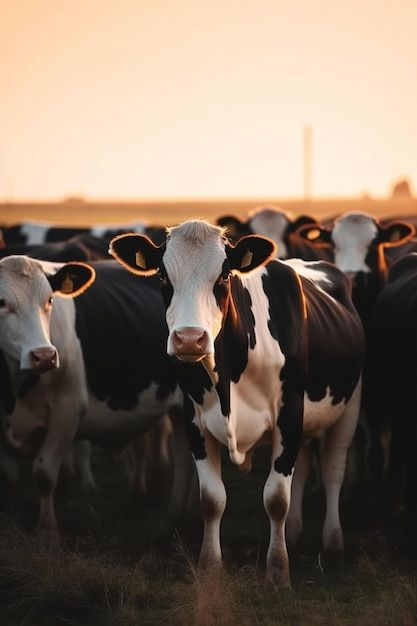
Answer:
[(271, 223), (193, 260), (25, 310), (352, 236)]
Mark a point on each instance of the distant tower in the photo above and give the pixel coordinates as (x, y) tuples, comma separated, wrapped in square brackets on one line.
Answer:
[(308, 162)]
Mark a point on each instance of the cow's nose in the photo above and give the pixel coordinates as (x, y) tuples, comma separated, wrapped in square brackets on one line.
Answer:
[(43, 359), (189, 341)]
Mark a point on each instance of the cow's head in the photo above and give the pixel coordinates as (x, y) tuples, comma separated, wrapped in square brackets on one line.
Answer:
[(26, 301), (268, 221), (195, 265), (358, 241)]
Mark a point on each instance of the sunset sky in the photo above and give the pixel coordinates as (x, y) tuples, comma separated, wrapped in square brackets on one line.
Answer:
[(178, 98)]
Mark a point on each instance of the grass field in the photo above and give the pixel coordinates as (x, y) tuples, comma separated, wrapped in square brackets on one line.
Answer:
[(114, 570)]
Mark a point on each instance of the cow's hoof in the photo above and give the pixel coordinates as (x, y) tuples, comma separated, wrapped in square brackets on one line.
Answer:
[(278, 579)]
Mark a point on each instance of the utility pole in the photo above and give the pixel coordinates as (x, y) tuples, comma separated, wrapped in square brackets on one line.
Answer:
[(308, 162)]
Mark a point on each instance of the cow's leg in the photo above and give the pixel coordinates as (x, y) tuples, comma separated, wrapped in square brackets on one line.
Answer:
[(56, 445), (82, 466), (140, 449), (183, 471), (212, 501), (333, 464), (286, 440), (277, 494), (164, 433), (294, 522)]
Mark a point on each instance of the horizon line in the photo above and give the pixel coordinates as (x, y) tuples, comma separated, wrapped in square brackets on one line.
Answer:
[(81, 199)]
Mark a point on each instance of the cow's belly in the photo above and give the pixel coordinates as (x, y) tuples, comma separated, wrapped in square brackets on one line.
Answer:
[(100, 421), (319, 416)]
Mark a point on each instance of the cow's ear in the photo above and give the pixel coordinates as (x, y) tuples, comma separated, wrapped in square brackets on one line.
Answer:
[(233, 225), (72, 279), (395, 233), (302, 220), (316, 235), (137, 253), (250, 252)]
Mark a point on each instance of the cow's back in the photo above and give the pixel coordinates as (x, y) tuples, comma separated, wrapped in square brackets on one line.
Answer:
[(335, 332)]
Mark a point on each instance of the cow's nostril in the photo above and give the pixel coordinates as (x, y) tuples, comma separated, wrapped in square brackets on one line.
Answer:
[(43, 358), (201, 341), (177, 339)]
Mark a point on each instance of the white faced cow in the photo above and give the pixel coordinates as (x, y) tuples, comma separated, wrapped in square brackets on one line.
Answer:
[(27, 289), (361, 246), (269, 351), (103, 390), (272, 222)]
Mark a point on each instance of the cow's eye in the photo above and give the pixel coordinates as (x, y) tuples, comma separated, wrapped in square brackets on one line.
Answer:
[(51, 301), (2, 303)]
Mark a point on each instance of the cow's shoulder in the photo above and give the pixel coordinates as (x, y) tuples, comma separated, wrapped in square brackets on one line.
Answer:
[(287, 305)]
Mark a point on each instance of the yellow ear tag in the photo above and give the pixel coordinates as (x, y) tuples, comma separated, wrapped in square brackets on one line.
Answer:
[(67, 285), (247, 259), (140, 260), (313, 234)]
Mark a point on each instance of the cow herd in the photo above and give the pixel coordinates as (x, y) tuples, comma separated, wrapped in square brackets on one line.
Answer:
[(270, 330)]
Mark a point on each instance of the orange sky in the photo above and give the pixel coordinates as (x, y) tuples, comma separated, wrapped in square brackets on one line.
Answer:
[(162, 98)]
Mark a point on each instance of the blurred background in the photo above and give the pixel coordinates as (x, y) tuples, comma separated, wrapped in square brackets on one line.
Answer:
[(169, 109)]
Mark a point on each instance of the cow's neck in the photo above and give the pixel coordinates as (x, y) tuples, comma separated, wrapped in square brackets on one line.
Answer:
[(232, 344)]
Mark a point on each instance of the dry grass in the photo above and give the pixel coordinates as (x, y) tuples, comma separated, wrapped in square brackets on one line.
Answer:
[(68, 587), (78, 588)]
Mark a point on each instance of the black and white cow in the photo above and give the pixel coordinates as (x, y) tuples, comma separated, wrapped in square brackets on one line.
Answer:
[(20, 328), (363, 248), (275, 223), (393, 365), (114, 378), (79, 248), (269, 352), (35, 233)]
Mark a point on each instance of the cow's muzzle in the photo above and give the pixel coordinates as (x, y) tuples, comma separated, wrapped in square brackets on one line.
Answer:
[(190, 344), (43, 359)]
